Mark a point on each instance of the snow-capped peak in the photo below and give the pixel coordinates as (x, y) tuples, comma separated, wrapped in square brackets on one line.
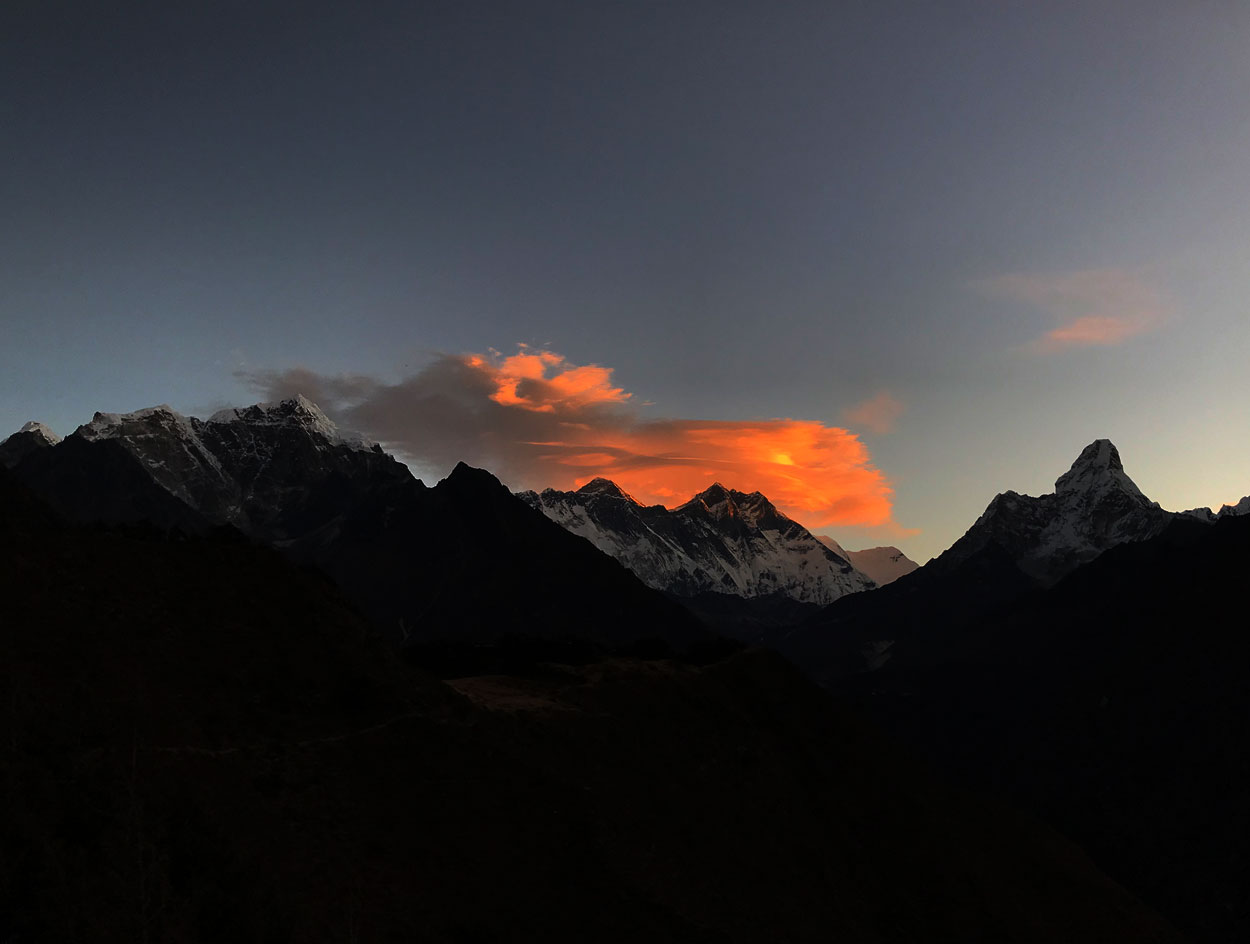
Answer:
[(834, 546), (1094, 506), (295, 411), (755, 507), (1097, 468), (1233, 511), (721, 502), (602, 486), (111, 425), (715, 500), (39, 429), (721, 540)]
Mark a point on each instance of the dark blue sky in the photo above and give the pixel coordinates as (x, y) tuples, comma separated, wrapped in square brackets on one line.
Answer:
[(1027, 223)]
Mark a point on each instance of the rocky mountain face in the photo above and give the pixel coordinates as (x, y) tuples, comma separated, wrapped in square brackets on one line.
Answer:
[(274, 471), (1095, 506), (30, 438), (1019, 545), (1079, 654), (462, 559), (205, 743), (721, 541), (1226, 511)]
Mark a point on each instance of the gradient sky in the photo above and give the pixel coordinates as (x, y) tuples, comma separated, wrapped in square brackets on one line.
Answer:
[(975, 235)]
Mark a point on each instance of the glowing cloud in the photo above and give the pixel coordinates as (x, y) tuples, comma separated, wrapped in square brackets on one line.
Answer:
[(544, 382), (877, 415), (1091, 331), (538, 421), (1095, 307)]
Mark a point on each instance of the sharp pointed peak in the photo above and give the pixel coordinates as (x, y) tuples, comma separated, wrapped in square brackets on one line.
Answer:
[(298, 405), (467, 476), (715, 492), (1098, 466), (723, 502), (1101, 453), (42, 430), (292, 411), (603, 486)]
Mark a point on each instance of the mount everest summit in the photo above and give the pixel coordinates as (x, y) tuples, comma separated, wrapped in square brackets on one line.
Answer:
[(720, 541)]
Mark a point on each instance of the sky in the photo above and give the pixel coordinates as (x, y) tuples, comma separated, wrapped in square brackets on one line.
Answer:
[(880, 261)]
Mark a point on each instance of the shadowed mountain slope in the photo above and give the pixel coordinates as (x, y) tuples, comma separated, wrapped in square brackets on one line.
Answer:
[(1019, 545), (721, 541), (1115, 706), (464, 559), (202, 742)]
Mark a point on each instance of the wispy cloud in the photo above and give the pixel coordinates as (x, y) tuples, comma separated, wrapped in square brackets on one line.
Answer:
[(1092, 307), (877, 415), (538, 421)]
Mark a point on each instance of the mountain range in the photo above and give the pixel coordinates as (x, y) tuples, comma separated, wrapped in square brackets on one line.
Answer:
[(731, 557), (1077, 655), (720, 541), (1018, 545), (463, 560), (205, 742), (1080, 655), (284, 474)]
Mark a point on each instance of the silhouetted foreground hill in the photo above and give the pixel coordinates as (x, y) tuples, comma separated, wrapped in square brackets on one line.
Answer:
[(1115, 706), (200, 742)]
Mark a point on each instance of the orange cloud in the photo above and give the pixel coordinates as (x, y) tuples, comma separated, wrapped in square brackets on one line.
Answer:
[(538, 421), (1095, 307), (544, 382), (819, 474), (1093, 330), (877, 415)]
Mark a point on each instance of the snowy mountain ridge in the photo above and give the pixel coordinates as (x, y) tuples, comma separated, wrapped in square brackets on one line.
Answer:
[(251, 467), (42, 431), (1226, 511), (883, 564), (721, 540), (1094, 507)]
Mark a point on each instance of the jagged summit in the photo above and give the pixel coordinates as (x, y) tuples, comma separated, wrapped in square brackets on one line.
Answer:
[(729, 503), (1241, 508), (721, 540), (601, 486), (41, 430), (293, 411), (265, 469), (298, 407), (32, 437), (715, 499), (1095, 506), (111, 425), (1096, 468)]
